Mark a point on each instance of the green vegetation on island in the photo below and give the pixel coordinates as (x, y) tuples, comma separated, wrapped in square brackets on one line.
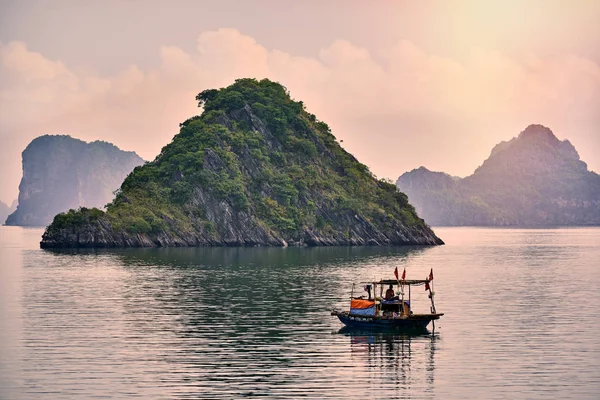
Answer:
[(255, 168)]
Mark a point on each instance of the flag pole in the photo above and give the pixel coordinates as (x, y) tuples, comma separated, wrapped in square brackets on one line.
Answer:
[(402, 294), (431, 292), (402, 291)]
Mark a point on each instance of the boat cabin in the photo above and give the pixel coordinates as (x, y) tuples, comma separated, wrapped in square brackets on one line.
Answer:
[(387, 298), (388, 305)]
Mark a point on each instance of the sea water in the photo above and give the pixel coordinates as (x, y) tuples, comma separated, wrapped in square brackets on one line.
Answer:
[(522, 314)]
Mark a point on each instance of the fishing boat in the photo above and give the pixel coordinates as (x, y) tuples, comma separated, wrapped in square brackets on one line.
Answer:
[(389, 310)]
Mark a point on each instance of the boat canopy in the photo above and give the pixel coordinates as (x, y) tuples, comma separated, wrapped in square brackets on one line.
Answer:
[(406, 282)]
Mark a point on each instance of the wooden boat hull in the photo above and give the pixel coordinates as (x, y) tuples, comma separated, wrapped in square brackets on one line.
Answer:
[(414, 322)]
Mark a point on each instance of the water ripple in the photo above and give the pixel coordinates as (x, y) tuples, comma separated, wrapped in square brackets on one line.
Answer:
[(521, 315)]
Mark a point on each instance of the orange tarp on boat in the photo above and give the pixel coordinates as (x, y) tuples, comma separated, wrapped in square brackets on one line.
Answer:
[(357, 303)]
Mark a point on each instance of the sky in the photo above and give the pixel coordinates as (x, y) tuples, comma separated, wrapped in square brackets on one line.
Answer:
[(402, 83)]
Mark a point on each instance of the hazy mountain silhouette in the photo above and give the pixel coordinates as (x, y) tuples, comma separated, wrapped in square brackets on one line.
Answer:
[(532, 180), (60, 173), (5, 210)]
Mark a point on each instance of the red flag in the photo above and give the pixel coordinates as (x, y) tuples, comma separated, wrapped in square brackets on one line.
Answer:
[(404, 274), (426, 285), (396, 273), (431, 275)]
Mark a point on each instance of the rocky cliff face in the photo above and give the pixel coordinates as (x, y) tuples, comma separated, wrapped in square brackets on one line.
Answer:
[(534, 179), (255, 169), (60, 173)]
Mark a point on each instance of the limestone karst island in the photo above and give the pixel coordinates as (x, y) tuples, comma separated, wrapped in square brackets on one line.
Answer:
[(254, 169), (61, 172), (533, 180)]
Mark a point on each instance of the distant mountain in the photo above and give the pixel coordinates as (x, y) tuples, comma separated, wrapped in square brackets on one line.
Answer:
[(532, 180), (5, 210), (61, 173)]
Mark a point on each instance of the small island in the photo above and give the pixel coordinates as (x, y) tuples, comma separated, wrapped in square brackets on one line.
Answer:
[(254, 169), (6, 210)]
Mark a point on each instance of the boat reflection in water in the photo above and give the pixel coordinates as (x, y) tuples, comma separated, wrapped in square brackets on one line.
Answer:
[(401, 360)]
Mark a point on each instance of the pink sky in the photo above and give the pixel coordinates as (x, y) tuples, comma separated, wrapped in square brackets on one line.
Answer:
[(403, 84)]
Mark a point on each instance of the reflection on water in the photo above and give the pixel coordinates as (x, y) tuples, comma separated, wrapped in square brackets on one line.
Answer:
[(520, 317), (243, 256), (405, 357)]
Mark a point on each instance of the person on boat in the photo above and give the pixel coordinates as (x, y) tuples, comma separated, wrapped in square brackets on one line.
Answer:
[(389, 294)]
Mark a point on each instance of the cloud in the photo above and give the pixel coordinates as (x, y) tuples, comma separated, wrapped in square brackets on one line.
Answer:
[(395, 109)]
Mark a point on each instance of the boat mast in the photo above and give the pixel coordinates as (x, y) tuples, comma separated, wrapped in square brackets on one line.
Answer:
[(377, 310), (409, 303), (402, 294), (431, 292)]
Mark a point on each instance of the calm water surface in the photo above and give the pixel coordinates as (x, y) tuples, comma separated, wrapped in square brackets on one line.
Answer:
[(522, 320)]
